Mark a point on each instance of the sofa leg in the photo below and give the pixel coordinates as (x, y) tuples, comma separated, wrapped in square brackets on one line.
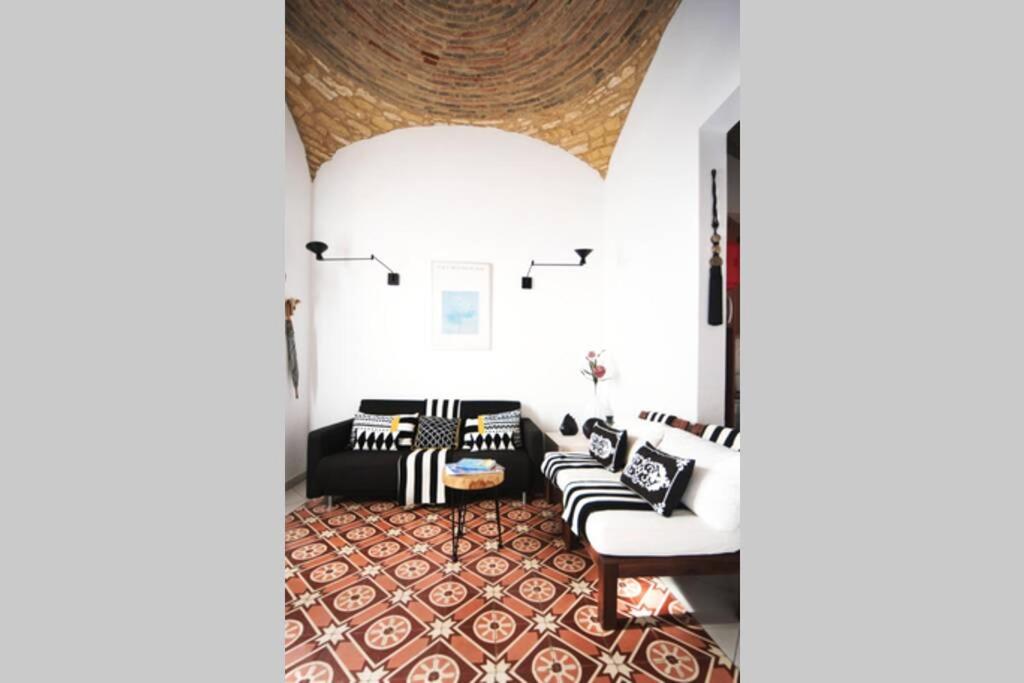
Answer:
[(330, 502), (567, 535), (607, 594), (524, 497)]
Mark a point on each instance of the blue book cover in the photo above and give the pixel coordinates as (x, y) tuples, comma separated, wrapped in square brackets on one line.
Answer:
[(472, 466), (476, 464)]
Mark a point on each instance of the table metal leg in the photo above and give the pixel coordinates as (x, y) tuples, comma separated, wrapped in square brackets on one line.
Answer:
[(497, 517), (455, 526)]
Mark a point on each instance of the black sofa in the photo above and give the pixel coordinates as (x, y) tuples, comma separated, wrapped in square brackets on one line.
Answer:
[(332, 469)]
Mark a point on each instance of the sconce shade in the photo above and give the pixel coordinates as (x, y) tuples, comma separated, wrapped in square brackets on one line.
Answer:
[(393, 279), (317, 248), (583, 254), (527, 283)]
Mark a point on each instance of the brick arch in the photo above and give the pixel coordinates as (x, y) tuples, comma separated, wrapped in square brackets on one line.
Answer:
[(563, 72), (574, 160)]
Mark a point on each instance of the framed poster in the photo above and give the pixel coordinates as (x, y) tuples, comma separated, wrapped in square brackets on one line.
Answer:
[(460, 306)]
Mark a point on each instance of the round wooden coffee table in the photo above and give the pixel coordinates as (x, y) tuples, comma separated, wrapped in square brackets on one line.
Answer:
[(460, 486)]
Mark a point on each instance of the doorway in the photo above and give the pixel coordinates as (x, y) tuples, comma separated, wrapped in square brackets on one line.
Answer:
[(732, 281), (712, 406)]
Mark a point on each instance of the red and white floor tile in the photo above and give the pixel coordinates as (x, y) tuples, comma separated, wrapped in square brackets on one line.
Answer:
[(371, 594)]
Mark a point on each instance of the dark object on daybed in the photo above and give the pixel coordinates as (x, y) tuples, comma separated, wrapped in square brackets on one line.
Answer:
[(569, 426), (333, 469)]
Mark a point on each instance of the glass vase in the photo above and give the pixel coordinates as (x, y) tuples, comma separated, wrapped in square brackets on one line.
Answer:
[(596, 407)]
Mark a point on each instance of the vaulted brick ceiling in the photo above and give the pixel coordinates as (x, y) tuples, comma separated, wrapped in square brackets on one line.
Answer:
[(562, 71)]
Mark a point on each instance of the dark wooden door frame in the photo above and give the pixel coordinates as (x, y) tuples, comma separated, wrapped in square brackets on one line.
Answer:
[(730, 375)]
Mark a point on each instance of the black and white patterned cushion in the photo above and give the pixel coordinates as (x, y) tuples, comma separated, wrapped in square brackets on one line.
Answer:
[(723, 436), (658, 478), (436, 432), (495, 432), (382, 432), (608, 446)]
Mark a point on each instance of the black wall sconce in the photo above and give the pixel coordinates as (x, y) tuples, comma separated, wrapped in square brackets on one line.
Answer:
[(582, 253), (319, 248)]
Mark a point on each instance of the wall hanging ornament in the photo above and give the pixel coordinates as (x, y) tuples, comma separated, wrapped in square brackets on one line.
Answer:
[(715, 275), (289, 332)]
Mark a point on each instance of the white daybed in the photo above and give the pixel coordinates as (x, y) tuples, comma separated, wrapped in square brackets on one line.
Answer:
[(701, 537)]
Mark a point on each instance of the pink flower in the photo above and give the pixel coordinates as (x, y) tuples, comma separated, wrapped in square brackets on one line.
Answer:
[(600, 371), (591, 355)]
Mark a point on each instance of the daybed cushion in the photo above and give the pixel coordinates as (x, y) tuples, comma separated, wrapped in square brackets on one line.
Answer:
[(641, 533), (714, 489), (639, 432)]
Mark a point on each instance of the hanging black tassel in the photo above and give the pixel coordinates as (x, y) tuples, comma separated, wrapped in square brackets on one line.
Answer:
[(715, 296), (715, 276)]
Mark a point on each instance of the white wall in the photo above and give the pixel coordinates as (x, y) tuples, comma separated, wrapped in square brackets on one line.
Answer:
[(298, 224), (461, 194), (654, 237)]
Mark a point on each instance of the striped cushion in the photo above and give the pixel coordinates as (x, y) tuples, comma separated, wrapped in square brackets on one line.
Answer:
[(660, 418), (382, 432), (670, 420), (723, 436), (444, 407)]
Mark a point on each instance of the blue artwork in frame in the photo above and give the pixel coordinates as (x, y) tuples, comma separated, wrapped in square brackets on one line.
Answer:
[(460, 312), (461, 306)]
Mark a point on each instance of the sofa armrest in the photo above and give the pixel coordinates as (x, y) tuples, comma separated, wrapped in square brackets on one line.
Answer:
[(534, 442), (321, 443)]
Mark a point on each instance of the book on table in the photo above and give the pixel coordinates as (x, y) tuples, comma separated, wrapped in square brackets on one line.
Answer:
[(472, 466)]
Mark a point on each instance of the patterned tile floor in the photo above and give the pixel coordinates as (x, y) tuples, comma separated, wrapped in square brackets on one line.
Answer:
[(371, 594)]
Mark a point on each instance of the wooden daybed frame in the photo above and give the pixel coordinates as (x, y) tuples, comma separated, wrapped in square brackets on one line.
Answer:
[(611, 568)]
